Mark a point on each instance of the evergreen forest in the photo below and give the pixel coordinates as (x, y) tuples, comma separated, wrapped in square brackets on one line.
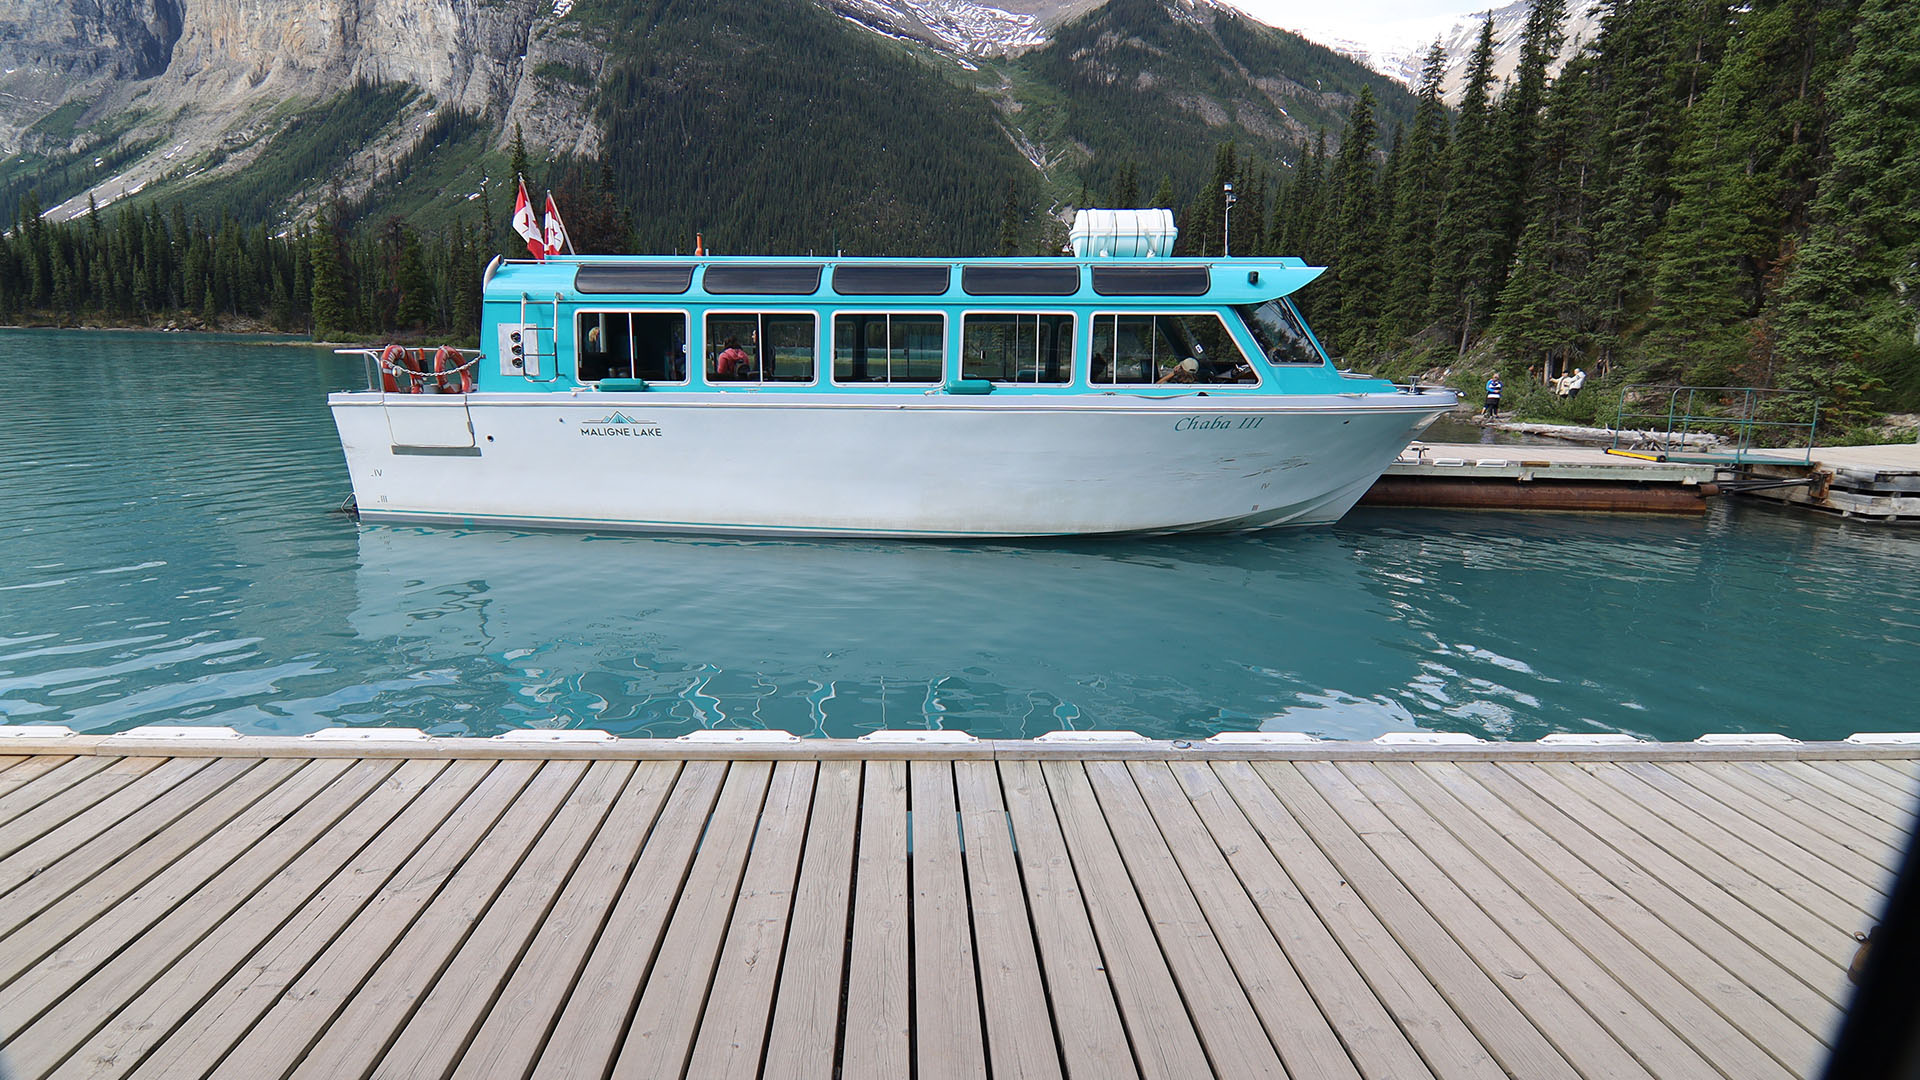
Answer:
[(1712, 193)]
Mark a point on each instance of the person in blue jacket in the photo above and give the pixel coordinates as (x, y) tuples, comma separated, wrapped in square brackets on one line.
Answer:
[(1493, 397)]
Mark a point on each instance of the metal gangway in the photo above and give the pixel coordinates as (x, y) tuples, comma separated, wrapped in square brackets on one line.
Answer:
[(1730, 426)]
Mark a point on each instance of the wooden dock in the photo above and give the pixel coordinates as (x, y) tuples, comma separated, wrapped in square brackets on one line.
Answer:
[(1563, 477), (178, 906), (1874, 482)]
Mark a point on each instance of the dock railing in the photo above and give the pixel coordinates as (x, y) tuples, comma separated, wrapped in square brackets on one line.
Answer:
[(1741, 419)]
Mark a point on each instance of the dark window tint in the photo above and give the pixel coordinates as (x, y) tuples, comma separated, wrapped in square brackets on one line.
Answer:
[(1281, 334), (890, 280), (763, 280), (650, 345), (1151, 280), (1020, 280), (665, 280)]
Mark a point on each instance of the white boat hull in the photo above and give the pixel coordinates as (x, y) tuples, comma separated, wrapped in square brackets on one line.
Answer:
[(851, 465)]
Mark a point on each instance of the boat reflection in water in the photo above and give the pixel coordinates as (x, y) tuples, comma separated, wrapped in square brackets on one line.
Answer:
[(658, 636)]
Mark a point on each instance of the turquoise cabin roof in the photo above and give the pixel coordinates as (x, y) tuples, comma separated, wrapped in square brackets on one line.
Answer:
[(1223, 280)]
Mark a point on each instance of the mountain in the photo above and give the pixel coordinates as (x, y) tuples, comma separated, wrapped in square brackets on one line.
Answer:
[(1582, 25), (871, 124)]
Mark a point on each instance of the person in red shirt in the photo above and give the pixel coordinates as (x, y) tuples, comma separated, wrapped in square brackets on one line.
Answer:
[(733, 362)]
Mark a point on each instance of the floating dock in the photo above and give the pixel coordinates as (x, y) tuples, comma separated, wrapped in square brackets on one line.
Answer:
[(1502, 477), (1876, 482), (187, 902)]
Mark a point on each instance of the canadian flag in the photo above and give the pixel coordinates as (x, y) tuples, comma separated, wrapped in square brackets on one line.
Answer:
[(526, 225), (556, 238)]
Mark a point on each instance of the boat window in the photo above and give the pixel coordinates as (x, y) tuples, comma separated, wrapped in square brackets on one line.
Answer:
[(614, 278), (766, 280), (1135, 349), (904, 280), (1017, 347), (1152, 280), (1020, 280), (1281, 333), (889, 348), (772, 346), (650, 345)]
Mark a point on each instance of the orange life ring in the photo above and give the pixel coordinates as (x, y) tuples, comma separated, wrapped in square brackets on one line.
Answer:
[(450, 369), (392, 359)]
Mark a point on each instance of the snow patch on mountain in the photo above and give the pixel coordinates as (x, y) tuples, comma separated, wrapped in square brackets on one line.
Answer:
[(959, 26)]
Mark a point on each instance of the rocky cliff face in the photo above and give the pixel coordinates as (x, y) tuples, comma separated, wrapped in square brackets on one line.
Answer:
[(190, 77)]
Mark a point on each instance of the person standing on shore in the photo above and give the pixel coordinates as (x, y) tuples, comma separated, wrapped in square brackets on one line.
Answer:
[(1493, 397)]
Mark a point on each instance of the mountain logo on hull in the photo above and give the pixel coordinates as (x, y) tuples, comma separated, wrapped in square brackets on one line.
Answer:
[(619, 425)]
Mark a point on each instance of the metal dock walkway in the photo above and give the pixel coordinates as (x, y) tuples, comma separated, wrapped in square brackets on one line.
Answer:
[(240, 907)]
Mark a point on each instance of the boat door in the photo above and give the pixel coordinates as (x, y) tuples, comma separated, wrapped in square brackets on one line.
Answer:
[(429, 421)]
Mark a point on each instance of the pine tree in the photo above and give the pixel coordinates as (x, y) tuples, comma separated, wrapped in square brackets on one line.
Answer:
[(1416, 202), (1541, 322), (1849, 312), (1519, 121), (1468, 238), (332, 313), (1356, 273), (1010, 220)]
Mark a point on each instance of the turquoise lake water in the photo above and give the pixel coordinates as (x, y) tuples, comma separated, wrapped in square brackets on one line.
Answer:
[(170, 552)]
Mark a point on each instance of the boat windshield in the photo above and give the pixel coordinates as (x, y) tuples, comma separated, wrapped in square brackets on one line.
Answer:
[(1281, 334)]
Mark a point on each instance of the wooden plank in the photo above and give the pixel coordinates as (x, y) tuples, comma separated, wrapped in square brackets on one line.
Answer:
[(202, 803), (116, 955), (42, 778), (1765, 957), (50, 810), (1899, 774), (1835, 778), (143, 885), (1293, 1019), (29, 769), (587, 1036), (733, 1027), (1729, 1024), (659, 1038), (400, 868), (1741, 885), (1830, 890), (1229, 1026), (1165, 1043), (515, 1027), (1502, 1029), (79, 830), (452, 1009), (946, 1016), (1013, 996), (876, 1038), (1447, 1045), (1826, 821), (408, 931), (806, 1015), (119, 1016), (1588, 1018), (1086, 1018), (1376, 1044), (1739, 840)]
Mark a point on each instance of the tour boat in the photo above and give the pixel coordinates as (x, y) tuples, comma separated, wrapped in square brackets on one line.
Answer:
[(1119, 391)]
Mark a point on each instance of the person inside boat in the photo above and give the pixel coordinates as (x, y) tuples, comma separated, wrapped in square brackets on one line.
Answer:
[(1185, 371), (1102, 371), (733, 362)]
